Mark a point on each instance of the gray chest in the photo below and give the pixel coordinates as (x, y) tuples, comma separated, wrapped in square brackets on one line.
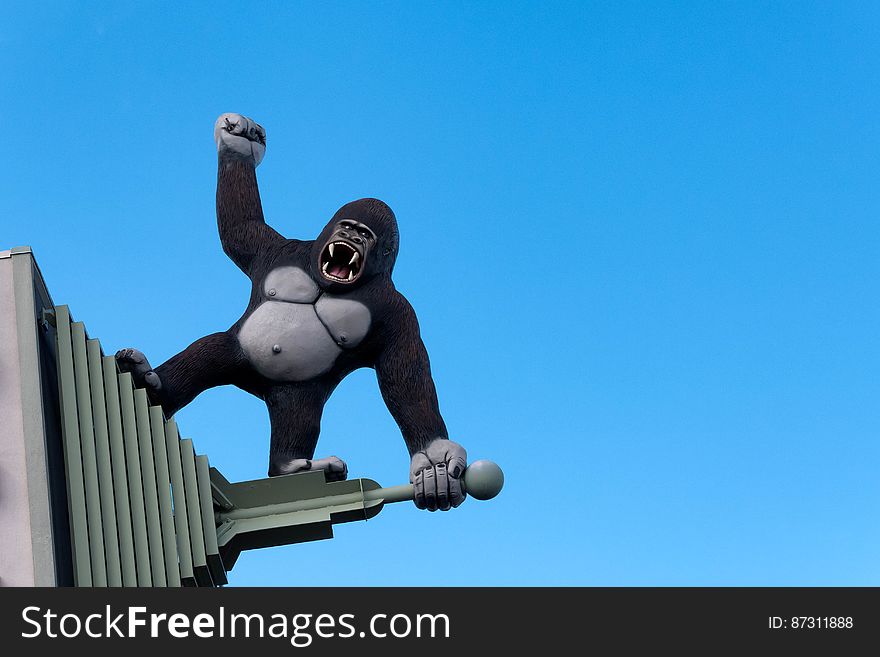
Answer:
[(297, 333)]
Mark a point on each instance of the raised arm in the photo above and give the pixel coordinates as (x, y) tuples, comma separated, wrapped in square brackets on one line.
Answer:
[(404, 374), (241, 144)]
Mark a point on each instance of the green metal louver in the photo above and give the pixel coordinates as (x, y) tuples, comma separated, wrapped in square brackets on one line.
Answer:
[(139, 498)]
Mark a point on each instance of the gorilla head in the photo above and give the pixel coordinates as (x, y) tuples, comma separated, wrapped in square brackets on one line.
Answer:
[(359, 242)]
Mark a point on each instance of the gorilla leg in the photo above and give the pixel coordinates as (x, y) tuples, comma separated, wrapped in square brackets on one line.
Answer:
[(214, 360), (295, 416)]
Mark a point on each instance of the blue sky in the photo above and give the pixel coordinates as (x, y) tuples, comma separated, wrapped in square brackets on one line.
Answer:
[(641, 239)]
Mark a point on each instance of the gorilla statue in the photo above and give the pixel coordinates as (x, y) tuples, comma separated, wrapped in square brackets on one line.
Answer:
[(319, 309)]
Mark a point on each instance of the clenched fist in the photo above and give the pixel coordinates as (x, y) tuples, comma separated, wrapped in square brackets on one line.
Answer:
[(435, 474), (240, 137)]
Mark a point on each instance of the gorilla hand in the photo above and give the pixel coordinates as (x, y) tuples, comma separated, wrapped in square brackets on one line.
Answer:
[(435, 474), (134, 361), (240, 137)]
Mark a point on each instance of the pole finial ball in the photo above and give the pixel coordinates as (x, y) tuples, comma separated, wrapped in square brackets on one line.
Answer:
[(483, 479)]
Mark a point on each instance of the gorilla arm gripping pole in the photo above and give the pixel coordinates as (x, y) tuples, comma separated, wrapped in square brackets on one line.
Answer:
[(483, 480), (303, 507)]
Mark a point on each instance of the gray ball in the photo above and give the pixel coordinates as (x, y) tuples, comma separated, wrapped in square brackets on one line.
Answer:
[(483, 480)]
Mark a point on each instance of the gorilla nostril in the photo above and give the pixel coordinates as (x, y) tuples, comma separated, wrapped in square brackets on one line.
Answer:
[(342, 233), (357, 240)]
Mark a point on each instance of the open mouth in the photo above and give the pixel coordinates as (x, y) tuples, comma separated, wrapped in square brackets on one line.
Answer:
[(340, 262)]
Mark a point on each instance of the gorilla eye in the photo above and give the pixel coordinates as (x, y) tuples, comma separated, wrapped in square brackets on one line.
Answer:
[(364, 233)]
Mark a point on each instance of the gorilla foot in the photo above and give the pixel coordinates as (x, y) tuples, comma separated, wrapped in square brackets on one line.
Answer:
[(133, 361), (334, 468)]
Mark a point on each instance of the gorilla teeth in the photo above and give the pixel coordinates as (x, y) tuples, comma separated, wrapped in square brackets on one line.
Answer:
[(342, 273)]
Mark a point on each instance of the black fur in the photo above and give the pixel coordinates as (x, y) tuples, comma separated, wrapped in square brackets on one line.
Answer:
[(392, 347)]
